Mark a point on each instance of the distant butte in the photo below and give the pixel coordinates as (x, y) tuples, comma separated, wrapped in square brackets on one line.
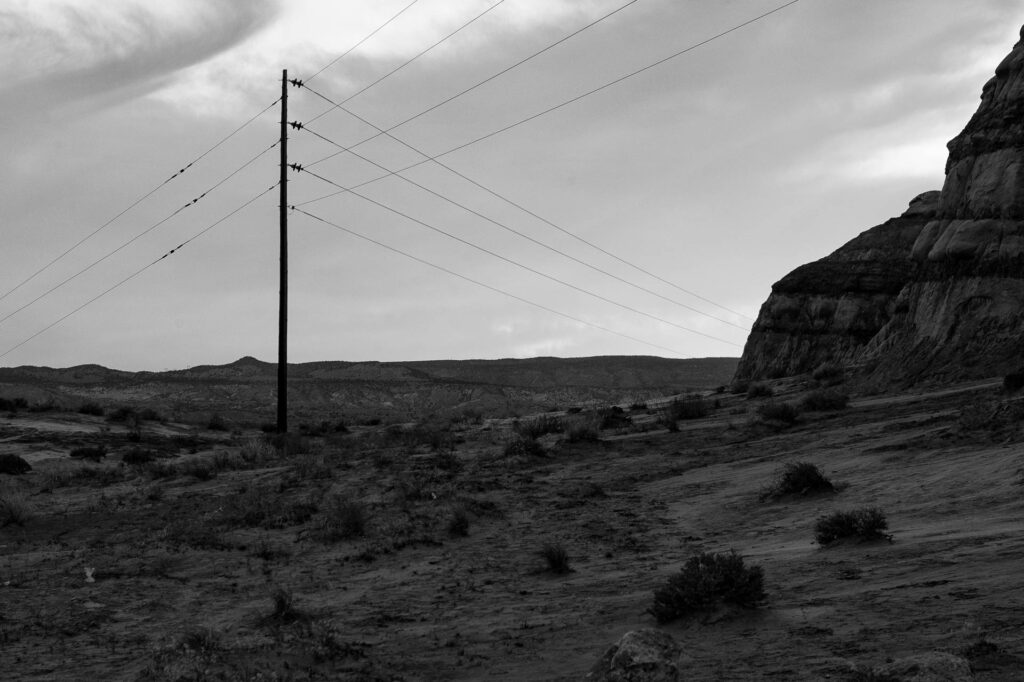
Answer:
[(936, 294)]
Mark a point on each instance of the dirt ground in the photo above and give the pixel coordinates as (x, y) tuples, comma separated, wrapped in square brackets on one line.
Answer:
[(415, 552)]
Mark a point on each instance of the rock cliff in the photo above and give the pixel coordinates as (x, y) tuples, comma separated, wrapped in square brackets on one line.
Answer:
[(935, 294)]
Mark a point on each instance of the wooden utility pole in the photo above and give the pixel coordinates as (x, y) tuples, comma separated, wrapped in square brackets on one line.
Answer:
[(282, 318)]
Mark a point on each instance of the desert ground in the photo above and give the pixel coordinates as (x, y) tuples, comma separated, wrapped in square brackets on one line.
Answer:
[(424, 551)]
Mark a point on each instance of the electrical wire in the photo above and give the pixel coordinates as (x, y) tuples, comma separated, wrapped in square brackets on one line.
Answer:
[(485, 286), (521, 234), (372, 33), (136, 202), (135, 274), (405, 63), (518, 264), (135, 238)]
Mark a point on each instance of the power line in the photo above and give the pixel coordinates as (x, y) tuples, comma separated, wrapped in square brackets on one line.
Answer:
[(406, 63), (135, 238), (492, 77), (520, 265), (485, 286), (372, 33), (136, 273), (135, 203), (577, 98), (517, 232)]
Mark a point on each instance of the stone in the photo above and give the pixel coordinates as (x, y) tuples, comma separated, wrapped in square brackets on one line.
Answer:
[(935, 294), (645, 655)]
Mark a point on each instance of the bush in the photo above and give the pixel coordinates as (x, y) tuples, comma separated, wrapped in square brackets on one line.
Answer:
[(341, 519), (759, 390), (539, 426), (458, 524), (521, 446), (823, 400), (14, 465), (705, 581), (289, 444), (556, 558), (799, 478), (1014, 381), (14, 510), (690, 408), (92, 409), (137, 455), (217, 423), (864, 524), (13, 404), (122, 414), (786, 413), (91, 453), (581, 430)]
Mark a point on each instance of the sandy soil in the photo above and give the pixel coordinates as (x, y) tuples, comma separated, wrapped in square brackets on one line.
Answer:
[(186, 554)]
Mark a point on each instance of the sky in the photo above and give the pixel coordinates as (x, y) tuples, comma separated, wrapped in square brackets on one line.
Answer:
[(648, 218)]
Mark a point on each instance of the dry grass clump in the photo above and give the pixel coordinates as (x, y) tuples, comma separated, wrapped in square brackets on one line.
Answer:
[(522, 446), (556, 558), (798, 478), (786, 413), (581, 430), (14, 509), (341, 519), (825, 400), (862, 525), (539, 426), (706, 581)]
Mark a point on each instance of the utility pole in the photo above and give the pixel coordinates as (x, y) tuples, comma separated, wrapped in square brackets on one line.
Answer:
[(282, 318)]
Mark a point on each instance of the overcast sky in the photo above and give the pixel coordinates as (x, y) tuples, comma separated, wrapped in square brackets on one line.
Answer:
[(718, 171)]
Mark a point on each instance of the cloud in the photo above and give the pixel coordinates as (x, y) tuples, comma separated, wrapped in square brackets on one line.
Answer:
[(69, 55)]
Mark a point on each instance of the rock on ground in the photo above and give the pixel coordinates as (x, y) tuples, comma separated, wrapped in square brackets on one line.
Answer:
[(934, 666), (639, 656)]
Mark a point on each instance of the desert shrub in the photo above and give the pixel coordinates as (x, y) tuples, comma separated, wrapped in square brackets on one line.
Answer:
[(829, 374), (458, 522), (91, 453), (289, 444), (48, 406), (521, 446), (341, 519), (14, 509), (256, 450), (151, 415), (122, 414), (637, 406), (373, 421), (137, 455), (312, 467), (285, 611), (759, 390), (706, 581), (13, 465), (613, 418), (202, 641), (581, 430), (556, 558), (92, 409), (217, 423), (1014, 381), (786, 413), (863, 524), (826, 399), (13, 404), (539, 426), (799, 478), (689, 408)]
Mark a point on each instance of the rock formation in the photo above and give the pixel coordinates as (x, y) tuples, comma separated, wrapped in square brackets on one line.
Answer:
[(639, 656), (935, 294)]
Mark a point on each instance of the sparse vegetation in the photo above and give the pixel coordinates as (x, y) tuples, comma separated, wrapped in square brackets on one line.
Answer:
[(706, 581), (798, 478), (825, 400), (581, 430), (688, 408), (759, 390), (14, 509), (786, 413), (341, 518), (216, 423), (862, 525), (556, 558), (521, 446), (539, 426)]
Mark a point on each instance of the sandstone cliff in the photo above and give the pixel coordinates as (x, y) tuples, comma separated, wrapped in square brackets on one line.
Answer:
[(937, 293)]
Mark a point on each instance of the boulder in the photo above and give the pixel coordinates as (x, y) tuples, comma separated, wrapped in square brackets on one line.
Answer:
[(639, 656)]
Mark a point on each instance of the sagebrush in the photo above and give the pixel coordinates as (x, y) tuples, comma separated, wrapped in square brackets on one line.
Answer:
[(707, 581)]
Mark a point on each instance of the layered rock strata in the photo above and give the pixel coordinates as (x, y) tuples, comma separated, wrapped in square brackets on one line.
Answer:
[(935, 294)]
